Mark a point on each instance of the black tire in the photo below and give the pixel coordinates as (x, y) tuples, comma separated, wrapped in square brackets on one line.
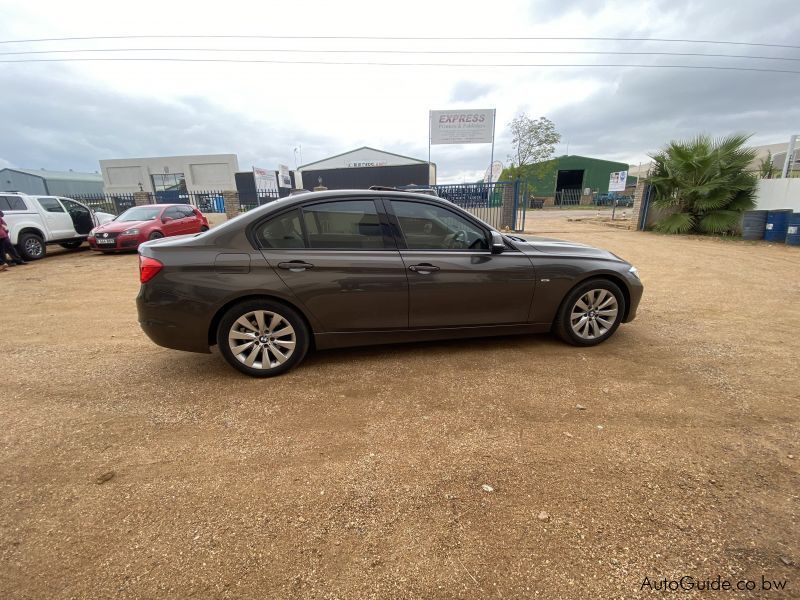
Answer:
[(31, 246), (72, 245), (563, 327), (301, 337), (156, 235), (203, 228)]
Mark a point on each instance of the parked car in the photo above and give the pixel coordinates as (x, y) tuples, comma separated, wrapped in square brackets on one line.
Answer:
[(347, 268), (149, 222), (36, 221)]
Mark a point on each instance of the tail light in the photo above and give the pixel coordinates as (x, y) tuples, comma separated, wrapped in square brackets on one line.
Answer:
[(148, 268)]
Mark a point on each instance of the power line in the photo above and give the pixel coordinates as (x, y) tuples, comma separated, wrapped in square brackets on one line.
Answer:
[(341, 51), (393, 64), (400, 38)]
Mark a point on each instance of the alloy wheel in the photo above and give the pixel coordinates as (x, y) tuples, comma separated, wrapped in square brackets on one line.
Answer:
[(594, 314), (33, 247), (262, 339)]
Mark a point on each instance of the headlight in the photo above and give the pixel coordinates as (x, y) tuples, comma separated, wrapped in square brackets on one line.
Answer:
[(634, 271), (130, 232)]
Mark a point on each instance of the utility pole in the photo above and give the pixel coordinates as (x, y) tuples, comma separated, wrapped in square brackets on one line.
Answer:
[(787, 164)]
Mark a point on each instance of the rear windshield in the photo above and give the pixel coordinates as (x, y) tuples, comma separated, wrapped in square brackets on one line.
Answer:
[(140, 213)]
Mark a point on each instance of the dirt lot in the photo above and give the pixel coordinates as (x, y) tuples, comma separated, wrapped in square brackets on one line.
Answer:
[(359, 474)]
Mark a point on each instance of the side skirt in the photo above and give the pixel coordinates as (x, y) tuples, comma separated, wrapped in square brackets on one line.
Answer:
[(369, 338)]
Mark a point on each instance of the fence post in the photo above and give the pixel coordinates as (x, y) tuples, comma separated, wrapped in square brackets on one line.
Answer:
[(141, 198), (510, 199), (231, 200), (638, 201)]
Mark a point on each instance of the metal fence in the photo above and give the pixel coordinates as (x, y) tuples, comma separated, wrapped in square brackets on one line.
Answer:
[(208, 201), (497, 204), (114, 204), (251, 200)]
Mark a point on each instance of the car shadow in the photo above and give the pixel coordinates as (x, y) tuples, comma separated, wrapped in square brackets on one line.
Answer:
[(214, 367)]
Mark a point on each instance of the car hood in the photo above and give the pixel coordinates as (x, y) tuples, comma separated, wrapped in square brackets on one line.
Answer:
[(117, 226), (534, 245)]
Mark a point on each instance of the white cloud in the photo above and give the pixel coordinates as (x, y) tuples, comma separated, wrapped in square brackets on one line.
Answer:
[(69, 115)]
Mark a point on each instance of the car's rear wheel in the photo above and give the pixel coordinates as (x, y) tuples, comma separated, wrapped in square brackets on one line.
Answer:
[(156, 235), (590, 313), (262, 338), (203, 228), (31, 246)]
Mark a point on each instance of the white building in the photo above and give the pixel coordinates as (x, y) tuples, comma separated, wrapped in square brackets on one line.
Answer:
[(170, 173)]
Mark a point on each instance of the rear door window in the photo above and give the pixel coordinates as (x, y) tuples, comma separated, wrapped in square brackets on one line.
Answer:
[(51, 205), (343, 225), (173, 212)]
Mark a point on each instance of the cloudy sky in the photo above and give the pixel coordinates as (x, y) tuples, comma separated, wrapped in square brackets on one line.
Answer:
[(68, 115)]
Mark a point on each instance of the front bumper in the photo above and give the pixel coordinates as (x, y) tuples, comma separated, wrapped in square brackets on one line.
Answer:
[(635, 291), (119, 243)]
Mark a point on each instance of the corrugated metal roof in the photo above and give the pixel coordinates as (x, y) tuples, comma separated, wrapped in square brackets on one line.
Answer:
[(58, 175)]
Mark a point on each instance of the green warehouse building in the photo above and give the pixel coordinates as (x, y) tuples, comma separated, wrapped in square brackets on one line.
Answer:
[(570, 172)]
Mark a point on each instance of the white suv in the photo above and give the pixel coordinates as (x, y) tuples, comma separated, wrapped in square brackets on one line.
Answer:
[(35, 221)]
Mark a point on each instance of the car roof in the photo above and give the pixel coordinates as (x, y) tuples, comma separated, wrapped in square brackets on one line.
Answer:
[(310, 196)]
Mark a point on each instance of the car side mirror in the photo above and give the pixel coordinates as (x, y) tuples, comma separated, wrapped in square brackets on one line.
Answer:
[(498, 245), (166, 219)]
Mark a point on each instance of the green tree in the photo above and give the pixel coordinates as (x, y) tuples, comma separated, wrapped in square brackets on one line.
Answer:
[(705, 184), (766, 167), (532, 141)]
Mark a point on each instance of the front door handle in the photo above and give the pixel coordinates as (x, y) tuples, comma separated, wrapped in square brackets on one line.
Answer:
[(423, 268), (296, 266)]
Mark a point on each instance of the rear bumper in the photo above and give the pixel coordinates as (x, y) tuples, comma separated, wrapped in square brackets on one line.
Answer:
[(172, 322)]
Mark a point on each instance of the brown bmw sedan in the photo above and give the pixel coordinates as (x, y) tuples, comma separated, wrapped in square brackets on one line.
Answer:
[(347, 268)]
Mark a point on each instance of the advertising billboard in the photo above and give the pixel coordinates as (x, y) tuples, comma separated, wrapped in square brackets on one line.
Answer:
[(266, 180), (617, 180), (474, 126)]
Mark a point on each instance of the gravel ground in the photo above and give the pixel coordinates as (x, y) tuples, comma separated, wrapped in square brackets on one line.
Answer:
[(360, 474)]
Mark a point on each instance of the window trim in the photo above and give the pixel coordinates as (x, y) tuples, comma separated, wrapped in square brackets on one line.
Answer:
[(401, 240)]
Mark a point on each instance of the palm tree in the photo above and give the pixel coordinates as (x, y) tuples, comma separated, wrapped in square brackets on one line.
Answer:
[(704, 183)]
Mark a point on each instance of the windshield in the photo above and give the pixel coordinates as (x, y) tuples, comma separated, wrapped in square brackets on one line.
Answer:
[(139, 213)]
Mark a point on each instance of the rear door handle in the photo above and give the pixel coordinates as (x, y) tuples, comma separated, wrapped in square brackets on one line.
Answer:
[(423, 268), (295, 265)]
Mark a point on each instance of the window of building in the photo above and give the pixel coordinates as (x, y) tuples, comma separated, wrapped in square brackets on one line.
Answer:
[(169, 182)]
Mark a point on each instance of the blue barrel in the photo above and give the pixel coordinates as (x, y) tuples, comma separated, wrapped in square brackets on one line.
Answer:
[(793, 230), (777, 223), (753, 223)]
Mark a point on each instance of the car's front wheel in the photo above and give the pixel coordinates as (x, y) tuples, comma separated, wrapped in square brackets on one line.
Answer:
[(156, 235), (262, 338), (31, 246), (590, 313)]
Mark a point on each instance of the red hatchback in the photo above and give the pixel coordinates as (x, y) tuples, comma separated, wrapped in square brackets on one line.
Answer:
[(142, 223)]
